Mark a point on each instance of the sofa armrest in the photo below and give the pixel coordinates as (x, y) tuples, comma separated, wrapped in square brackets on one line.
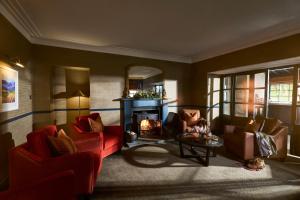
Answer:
[(113, 128), (280, 136), (182, 125), (25, 167), (229, 129), (56, 186), (83, 139)]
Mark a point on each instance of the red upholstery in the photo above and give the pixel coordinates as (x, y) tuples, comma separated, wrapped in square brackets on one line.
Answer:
[(83, 122), (25, 165), (58, 186), (38, 142), (110, 140)]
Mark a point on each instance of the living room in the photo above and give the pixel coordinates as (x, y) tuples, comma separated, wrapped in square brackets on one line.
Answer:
[(72, 59)]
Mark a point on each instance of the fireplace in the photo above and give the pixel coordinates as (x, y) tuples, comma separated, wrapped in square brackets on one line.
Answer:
[(133, 111), (147, 123)]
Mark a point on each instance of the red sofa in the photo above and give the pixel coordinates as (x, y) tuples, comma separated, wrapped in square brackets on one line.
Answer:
[(59, 186), (110, 140), (32, 161)]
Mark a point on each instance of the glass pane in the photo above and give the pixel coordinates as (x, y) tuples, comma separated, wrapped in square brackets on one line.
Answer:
[(227, 82), (259, 96), (298, 96), (241, 96), (208, 100), (259, 80), (226, 95), (226, 108), (216, 84), (297, 122), (242, 81), (241, 110), (208, 114), (258, 110), (208, 85), (215, 113), (216, 97)]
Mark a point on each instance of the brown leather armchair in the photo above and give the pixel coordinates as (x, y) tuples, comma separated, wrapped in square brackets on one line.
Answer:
[(243, 143), (188, 118)]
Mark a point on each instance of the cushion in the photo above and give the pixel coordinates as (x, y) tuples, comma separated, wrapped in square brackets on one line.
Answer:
[(83, 122), (253, 126), (270, 125), (62, 144), (191, 118), (96, 125), (38, 142)]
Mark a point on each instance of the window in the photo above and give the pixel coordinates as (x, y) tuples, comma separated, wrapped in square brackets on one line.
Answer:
[(213, 97), (281, 92), (259, 94), (242, 84), (226, 95)]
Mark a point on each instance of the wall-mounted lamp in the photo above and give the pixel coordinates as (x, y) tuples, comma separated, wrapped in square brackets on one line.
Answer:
[(13, 61), (17, 62)]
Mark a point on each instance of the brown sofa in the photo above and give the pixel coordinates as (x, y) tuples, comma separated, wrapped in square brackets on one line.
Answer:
[(242, 142)]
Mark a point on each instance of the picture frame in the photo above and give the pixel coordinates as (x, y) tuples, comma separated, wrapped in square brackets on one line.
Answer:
[(9, 89)]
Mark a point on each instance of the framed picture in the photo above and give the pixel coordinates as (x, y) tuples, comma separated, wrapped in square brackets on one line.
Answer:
[(9, 89)]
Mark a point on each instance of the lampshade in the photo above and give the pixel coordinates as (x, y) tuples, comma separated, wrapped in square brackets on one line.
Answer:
[(79, 93)]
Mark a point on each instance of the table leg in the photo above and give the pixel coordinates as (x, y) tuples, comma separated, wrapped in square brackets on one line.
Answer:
[(181, 150), (207, 157)]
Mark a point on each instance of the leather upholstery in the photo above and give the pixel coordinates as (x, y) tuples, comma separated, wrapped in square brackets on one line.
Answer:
[(183, 126), (243, 144)]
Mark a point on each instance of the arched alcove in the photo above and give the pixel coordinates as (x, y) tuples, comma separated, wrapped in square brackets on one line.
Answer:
[(139, 77)]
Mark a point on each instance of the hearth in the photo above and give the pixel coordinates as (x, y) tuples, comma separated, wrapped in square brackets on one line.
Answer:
[(133, 111), (147, 123)]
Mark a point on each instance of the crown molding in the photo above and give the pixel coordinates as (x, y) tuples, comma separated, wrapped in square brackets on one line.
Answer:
[(14, 12), (119, 50), (268, 37), (17, 16)]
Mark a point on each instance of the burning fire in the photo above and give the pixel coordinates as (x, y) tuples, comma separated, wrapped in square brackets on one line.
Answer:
[(146, 125)]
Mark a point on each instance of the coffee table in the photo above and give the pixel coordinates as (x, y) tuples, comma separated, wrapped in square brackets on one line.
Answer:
[(209, 146)]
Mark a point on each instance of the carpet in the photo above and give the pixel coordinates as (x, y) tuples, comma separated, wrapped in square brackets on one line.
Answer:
[(156, 171)]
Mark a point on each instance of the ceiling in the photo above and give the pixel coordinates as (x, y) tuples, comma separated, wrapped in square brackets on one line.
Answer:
[(176, 30), (142, 72)]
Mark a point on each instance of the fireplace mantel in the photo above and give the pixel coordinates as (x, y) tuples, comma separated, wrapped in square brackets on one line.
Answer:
[(130, 105)]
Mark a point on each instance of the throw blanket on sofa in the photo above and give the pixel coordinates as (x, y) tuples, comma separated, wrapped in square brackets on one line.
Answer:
[(266, 144)]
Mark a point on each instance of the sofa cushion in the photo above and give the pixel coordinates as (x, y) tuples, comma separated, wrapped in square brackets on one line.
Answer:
[(83, 122), (253, 126), (96, 125), (270, 125), (38, 141), (191, 118), (62, 144)]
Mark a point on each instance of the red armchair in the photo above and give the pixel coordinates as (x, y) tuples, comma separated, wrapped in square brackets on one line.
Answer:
[(32, 161), (59, 186), (110, 140)]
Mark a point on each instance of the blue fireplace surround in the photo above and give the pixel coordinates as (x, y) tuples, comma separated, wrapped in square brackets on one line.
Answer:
[(129, 106)]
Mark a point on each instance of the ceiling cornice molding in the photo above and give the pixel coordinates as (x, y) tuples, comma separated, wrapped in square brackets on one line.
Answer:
[(14, 12), (112, 50), (250, 43), (17, 16)]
